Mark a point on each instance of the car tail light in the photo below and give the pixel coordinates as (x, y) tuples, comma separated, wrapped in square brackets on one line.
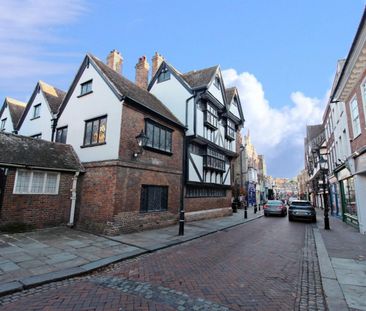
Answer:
[(265, 206)]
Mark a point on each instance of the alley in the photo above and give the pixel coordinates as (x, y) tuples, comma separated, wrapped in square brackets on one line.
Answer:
[(267, 264)]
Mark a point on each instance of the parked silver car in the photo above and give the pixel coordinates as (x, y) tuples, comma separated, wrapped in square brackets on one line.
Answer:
[(275, 207), (301, 209)]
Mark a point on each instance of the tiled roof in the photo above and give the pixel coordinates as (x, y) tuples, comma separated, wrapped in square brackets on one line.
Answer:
[(16, 109), (199, 78), (20, 150), (230, 92), (54, 96), (134, 92)]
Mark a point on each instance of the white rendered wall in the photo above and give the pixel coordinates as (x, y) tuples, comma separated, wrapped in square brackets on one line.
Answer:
[(99, 103), (9, 123), (39, 125), (234, 110), (215, 92), (198, 161), (228, 178), (173, 95)]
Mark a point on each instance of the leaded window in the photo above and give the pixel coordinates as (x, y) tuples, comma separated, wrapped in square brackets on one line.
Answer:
[(211, 116), (355, 118), (160, 137), (36, 111), (61, 135), (230, 129), (214, 160), (86, 87), (36, 182), (154, 198), (2, 125), (164, 75), (199, 192), (95, 131)]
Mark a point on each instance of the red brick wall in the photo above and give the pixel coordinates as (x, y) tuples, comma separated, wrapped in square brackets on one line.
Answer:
[(360, 140), (199, 204), (110, 190), (38, 210), (96, 196)]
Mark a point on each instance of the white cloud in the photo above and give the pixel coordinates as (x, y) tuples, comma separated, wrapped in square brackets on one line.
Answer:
[(274, 130), (29, 31)]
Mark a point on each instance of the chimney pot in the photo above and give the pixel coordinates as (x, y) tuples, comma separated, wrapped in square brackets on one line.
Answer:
[(156, 62), (142, 72), (115, 61)]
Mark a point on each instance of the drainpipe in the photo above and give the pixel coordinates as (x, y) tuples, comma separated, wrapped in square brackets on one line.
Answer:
[(53, 127), (73, 199), (184, 169)]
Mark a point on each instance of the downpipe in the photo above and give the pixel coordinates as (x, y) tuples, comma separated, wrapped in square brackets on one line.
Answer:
[(73, 199)]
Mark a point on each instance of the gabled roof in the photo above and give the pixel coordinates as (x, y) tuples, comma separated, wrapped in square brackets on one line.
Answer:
[(53, 97), (134, 92), (230, 93), (23, 151), (200, 78), (16, 109), (123, 89)]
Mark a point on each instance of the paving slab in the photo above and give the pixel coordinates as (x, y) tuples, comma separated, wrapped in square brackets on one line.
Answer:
[(57, 253)]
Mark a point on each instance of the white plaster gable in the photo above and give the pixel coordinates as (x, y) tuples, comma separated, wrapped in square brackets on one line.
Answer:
[(40, 125), (9, 122), (100, 102)]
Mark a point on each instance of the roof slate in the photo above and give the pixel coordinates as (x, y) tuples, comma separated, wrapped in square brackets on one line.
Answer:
[(230, 92), (200, 78), (16, 109), (31, 152), (134, 92), (55, 102)]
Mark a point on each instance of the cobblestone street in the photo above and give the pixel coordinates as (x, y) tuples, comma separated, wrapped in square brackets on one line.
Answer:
[(267, 264)]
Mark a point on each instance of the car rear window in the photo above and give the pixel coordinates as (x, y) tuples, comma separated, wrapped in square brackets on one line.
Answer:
[(274, 202), (301, 204)]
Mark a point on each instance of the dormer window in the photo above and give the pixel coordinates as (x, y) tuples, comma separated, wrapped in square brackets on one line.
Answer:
[(36, 111), (2, 125), (230, 130), (164, 75), (217, 83), (211, 117), (86, 87)]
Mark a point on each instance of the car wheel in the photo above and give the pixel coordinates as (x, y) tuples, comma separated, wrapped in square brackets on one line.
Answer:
[(290, 218), (314, 219), (265, 214)]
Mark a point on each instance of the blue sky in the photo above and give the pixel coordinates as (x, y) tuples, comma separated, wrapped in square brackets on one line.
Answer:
[(280, 54)]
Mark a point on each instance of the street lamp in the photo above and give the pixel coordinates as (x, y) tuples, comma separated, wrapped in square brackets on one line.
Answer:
[(242, 148), (142, 140), (324, 168)]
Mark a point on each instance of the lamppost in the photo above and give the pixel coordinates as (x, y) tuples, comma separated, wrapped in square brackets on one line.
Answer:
[(324, 168), (242, 148)]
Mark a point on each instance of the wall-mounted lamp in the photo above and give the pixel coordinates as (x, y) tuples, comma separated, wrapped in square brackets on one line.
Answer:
[(142, 140)]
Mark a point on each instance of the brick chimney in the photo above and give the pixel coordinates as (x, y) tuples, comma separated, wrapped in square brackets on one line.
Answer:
[(115, 61), (156, 62), (142, 72)]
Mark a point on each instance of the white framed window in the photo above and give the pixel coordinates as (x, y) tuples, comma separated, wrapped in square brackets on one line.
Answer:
[(36, 182), (363, 93), (355, 118), (36, 111), (2, 125)]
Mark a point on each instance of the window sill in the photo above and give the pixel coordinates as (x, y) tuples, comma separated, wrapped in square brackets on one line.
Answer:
[(168, 153), (155, 211), (93, 145), (87, 93), (35, 118)]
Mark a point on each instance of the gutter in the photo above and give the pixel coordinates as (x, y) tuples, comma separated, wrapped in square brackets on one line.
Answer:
[(37, 167)]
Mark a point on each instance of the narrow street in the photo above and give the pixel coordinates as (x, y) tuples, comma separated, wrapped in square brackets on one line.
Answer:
[(267, 264)]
